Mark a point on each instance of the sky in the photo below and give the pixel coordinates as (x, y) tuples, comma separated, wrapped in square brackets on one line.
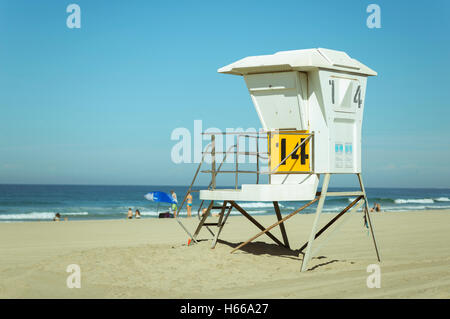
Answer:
[(98, 104)]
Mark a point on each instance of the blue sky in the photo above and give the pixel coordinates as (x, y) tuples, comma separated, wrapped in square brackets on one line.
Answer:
[(97, 105)]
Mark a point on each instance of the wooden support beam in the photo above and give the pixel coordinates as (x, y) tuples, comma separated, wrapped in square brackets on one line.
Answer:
[(261, 227), (332, 221), (283, 230), (276, 224), (337, 226)]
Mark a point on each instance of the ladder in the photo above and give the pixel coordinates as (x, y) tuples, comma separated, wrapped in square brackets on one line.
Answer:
[(225, 209), (224, 212)]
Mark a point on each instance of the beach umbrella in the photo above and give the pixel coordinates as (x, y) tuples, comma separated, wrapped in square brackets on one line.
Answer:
[(160, 197)]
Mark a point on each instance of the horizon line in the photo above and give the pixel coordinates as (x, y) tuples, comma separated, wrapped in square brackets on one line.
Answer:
[(177, 185)]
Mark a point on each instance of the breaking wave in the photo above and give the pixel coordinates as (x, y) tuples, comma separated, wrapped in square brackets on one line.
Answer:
[(257, 205), (414, 201), (38, 215)]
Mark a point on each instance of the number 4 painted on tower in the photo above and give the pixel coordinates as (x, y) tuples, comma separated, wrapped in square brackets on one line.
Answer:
[(357, 97)]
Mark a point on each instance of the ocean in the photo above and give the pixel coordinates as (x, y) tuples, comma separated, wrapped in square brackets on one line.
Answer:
[(77, 202)]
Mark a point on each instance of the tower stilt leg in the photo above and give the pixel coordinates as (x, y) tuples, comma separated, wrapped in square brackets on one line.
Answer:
[(323, 195), (366, 212)]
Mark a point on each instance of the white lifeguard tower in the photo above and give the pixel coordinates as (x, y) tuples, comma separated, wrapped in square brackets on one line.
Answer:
[(310, 104)]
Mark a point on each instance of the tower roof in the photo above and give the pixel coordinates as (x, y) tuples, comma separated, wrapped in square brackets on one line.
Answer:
[(297, 60)]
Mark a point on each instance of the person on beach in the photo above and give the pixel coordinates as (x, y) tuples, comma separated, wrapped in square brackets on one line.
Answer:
[(189, 204), (57, 217), (137, 214), (174, 206), (376, 207), (130, 213), (204, 212)]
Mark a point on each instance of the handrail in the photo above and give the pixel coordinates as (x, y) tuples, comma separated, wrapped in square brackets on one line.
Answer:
[(260, 172), (193, 180), (257, 133), (196, 174), (218, 171), (257, 154)]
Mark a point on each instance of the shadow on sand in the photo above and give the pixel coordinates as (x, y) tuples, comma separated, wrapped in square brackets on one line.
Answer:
[(263, 248)]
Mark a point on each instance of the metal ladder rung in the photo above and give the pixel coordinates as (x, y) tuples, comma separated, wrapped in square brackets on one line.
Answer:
[(220, 207), (210, 224)]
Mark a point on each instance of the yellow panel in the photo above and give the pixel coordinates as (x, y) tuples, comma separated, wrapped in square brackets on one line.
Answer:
[(282, 144)]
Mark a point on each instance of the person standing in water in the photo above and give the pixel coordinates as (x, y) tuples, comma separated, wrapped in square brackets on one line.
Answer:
[(137, 214), (174, 205), (376, 207), (189, 204), (130, 213)]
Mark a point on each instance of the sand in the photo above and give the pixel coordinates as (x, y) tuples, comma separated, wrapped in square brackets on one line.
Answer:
[(149, 258)]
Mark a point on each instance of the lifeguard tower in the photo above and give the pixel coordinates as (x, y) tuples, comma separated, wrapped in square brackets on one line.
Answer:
[(310, 104)]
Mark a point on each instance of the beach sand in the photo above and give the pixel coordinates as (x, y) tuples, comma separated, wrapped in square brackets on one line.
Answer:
[(149, 258)]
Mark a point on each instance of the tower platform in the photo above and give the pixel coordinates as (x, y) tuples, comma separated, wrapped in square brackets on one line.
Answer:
[(263, 193)]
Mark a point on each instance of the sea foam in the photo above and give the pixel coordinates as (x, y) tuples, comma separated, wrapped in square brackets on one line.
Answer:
[(257, 205), (39, 215), (414, 201)]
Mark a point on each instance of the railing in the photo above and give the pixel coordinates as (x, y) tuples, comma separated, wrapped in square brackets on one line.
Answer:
[(235, 147), (258, 154), (204, 153)]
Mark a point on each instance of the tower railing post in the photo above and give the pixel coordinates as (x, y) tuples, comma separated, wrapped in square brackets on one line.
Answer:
[(257, 159), (213, 162), (237, 163)]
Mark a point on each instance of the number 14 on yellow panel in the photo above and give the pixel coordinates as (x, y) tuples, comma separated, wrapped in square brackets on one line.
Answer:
[(282, 145)]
